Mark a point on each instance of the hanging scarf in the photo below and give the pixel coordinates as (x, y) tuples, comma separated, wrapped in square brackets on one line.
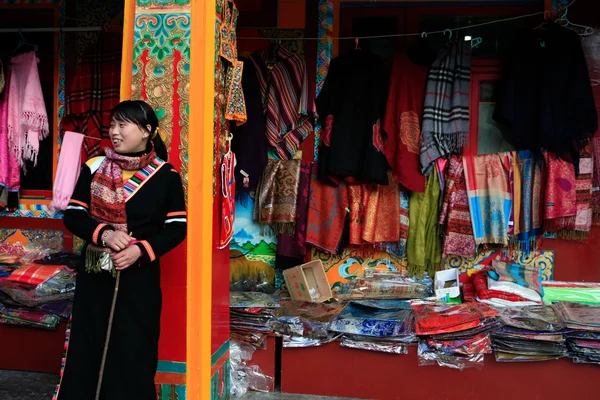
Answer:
[(294, 246), (596, 181), (579, 227), (27, 119), (490, 198), (10, 174), (326, 214), (527, 199), (455, 216), (399, 248), (560, 201), (446, 112), (67, 173), (423, 248), (277, 195), (107, 188)]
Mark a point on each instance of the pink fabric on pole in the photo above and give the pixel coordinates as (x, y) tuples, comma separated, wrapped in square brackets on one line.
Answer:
[(67, 173)]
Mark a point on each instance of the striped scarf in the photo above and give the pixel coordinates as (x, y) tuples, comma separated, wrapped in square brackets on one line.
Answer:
[(108, 191), (284, 88), (446, 111)]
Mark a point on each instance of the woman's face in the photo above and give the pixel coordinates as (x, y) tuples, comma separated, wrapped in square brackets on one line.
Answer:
[(127, 137)]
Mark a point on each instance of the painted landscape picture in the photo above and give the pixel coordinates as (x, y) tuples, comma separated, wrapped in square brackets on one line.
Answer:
[(252, 250)]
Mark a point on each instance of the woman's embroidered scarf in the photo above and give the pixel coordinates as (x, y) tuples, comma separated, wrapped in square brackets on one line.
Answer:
[(326, 214), (423, 248), (277, 195), (560, 200), (27, 118), (107, 188), (596, 181), (490, 196), (10, 172), (455, 216), (528, 207), (578, 227)]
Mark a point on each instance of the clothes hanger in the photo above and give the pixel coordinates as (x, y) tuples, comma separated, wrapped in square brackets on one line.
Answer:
[(544, 23), (475, 42), (24, 42), (449, 32), (564, 22)]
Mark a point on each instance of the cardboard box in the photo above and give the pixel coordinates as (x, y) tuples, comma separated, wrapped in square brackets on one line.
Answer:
[(446, 284), (308, 282)]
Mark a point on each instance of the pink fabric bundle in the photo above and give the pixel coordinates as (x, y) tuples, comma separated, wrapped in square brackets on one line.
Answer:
[(27, 118), (10, 175), (67, 173)]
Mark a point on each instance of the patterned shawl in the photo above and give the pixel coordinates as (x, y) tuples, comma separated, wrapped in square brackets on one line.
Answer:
[(490, 198), (423, 248), (399, 248), (446, 111), (578, 228), (107, 188), (27, 119), (294, 245), (596, 182), (326, 214), (528, 218), (455, 216), (560, 202), (277, 195)]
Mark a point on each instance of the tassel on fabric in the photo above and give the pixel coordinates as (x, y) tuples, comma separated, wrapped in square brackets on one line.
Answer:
[(577, 236), (97, 261)]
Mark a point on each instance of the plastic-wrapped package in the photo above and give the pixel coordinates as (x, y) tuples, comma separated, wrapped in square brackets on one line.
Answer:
[(261, 284), (528, 347), (437, 318), (510, 357), (245, 377), (428, 356), (533, 318), (479, 344), (386, 288), (306, 319), (59, 287), (303, 341), (373, 344), (367, 321), (254, 339), (579, 316), (385, 304), (34, 319), (251, 300)]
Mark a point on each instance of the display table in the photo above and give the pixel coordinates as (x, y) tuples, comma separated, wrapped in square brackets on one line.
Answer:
[(32, 349), (332, 370)]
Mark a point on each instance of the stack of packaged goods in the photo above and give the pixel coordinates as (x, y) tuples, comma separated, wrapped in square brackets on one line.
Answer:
[(376, 325), (251, 317), (305, 324), (530, 333), (387, 285), (454, 335), (584, 340)]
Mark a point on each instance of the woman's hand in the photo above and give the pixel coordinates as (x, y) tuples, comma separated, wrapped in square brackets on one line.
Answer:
[(117, 240), (125, 258)]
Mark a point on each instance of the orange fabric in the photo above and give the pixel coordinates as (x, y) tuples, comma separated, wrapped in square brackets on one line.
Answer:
[(97, 232), (149, 250), (34, 274)]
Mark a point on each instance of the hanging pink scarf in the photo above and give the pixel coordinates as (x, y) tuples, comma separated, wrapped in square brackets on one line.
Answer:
[(10, 177), (67, 173), (27, 117)]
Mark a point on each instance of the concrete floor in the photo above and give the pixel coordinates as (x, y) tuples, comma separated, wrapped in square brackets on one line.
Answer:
[(18, 385)]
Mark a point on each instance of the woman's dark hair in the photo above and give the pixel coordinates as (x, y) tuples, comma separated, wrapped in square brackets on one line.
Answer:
[(140, 113)]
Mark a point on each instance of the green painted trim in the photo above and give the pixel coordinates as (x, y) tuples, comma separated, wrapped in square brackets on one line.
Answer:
[(219, 353), (171, 366)]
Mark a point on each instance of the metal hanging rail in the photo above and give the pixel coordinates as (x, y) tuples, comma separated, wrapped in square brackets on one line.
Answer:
[(30, 30)]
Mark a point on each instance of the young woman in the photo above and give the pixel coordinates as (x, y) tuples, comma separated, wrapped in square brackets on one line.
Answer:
[(129, 207)]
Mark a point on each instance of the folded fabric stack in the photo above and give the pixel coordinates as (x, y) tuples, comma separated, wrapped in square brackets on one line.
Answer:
[(22, 317), (251, 316), (584, 340), (530, 333), (574, 292), (386, 326), (304, 324), (455, 336)]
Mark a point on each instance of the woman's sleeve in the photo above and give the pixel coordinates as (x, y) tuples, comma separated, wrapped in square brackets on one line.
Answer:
[(175, 228), (77, 217)]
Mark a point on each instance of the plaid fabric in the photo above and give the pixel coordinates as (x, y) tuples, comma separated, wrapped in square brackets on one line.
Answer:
[(34, 274), (95, 91), (446, 111)]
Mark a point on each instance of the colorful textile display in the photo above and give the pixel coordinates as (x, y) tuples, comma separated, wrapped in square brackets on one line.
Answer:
[(527, 200), (399, 248), (27, 118), (596, 180), (403, 121), (455, 216), (34, 274), (277, 195), (10, 172), (368, 321), (228, 185), (490, 196), (578, 228), (326, 214), (286, 102), (423, 248), (446, 113), (560, 203), (437, 318), (526, 276), (95, 91), (67, 173)]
